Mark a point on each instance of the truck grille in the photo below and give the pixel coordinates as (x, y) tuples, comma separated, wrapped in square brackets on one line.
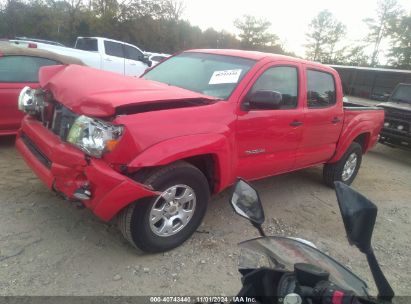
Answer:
[(405, 115), (394, 119), (57, 118)]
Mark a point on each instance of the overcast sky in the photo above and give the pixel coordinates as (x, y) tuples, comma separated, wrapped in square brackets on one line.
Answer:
[(289, 18)]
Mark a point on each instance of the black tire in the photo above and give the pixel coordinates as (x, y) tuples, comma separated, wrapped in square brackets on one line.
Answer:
[(334, 172), (134, 219)]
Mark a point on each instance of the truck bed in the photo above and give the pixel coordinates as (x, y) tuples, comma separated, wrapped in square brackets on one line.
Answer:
[(361, 119), (359, 107)]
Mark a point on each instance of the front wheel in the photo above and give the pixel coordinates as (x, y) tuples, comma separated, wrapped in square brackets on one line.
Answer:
[(164, 222), (346, 169)]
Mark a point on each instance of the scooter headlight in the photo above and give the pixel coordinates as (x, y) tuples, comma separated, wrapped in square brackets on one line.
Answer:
[(94, 136)]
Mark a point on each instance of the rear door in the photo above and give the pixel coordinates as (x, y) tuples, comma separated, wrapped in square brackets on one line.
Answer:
[(323, 117), (267, 140), (16, 72), (113, 58), (133, 63)]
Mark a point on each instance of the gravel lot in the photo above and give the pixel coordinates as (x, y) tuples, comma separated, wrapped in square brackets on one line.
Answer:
[(48, 247)]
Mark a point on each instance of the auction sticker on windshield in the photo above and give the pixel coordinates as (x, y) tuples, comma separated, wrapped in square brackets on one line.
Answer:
[(227, 76)]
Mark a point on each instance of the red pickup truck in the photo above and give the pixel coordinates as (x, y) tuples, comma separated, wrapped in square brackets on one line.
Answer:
[(152, 150)]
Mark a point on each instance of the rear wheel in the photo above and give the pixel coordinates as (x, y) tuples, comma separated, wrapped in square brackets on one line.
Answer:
[(346, 169), (162, 223)]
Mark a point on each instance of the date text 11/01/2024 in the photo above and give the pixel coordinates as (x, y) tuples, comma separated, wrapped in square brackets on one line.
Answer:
[(202, 299)]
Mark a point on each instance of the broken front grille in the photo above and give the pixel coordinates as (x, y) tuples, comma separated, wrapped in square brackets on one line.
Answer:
[(57, 118), (63, 119)]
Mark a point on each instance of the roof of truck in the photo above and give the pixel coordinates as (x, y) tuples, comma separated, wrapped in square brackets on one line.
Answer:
[(254, 55), (112, 40), (7, 49)]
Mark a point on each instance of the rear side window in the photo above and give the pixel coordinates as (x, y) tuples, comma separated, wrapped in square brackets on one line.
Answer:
[(22, 68), (320, 89), (132, 53), (282, 79), (114, 49), (87, 44)]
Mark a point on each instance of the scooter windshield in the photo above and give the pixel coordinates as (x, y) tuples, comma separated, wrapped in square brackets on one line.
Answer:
[(282, 253)]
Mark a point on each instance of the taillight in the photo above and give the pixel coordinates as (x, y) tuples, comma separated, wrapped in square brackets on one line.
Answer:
[(32, 45)]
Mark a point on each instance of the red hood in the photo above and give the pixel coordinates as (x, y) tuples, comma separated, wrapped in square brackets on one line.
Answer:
[(98, 93)]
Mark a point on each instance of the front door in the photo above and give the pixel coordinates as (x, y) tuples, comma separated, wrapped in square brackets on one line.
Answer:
[(267, 140), (133, 64)]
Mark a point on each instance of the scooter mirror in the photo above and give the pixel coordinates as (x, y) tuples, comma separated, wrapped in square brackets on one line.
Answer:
[(246, 202), (358, 214)]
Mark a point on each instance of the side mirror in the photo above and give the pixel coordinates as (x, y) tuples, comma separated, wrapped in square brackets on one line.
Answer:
[(358, 214), (246, 202), (146, 60), (264, 100)]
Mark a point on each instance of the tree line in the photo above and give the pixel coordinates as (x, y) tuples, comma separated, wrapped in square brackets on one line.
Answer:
[(158, 25), (326, 36), (155, 25)]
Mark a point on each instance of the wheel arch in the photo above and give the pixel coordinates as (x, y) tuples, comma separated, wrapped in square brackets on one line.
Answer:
[(210, 153), (361, 137)]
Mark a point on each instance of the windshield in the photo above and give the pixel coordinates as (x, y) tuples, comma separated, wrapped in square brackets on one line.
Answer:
[(282, 253), (402, 94), (209, 74)]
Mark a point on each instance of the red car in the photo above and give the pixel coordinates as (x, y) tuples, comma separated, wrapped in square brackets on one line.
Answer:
[(152, 150), (19, 67)]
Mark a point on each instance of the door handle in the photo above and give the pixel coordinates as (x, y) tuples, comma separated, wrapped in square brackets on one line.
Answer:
[(296, 123), (107, 59), (335, 120)]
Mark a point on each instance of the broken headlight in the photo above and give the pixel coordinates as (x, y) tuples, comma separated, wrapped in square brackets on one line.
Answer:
[(94, 136)]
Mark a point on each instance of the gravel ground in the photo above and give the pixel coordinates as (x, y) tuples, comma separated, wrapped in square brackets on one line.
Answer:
[(48, 247)]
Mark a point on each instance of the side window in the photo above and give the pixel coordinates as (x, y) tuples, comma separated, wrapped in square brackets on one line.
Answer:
[(283, 79), (320, 89), (114, 49), (132, 53), (22, 68), (87, 44)]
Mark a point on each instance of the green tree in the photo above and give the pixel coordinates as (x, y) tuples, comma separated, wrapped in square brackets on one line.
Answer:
[(357, 56), (154, 25), (173, 9), (400, 34), (254, 32), (324, 34), (351, 55), (386, 11)]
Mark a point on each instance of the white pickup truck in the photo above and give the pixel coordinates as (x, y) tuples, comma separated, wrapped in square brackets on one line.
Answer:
[(101, 53)]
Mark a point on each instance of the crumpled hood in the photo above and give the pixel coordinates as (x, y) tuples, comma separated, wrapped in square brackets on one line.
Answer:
[(98, 93), (396, 105)]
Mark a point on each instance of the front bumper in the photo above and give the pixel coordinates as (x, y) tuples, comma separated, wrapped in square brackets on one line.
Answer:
[(64, 168), (395, 138)]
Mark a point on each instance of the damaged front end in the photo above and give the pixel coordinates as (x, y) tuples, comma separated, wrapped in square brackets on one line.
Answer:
[(65, 150)]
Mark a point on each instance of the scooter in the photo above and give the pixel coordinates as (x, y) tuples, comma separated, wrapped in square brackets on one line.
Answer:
[(287, 270)]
